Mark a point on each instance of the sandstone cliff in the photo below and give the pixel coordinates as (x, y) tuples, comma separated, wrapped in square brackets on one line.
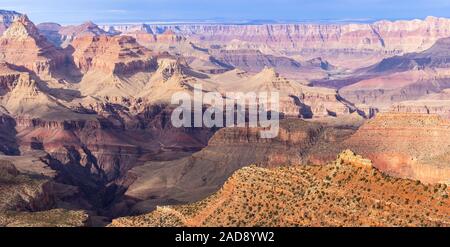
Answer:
[(359, 44), (22, 45), (119, 55), (406, 145)]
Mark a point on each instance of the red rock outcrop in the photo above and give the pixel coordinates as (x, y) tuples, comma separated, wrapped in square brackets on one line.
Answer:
[(111, 55), (9, 78), (22, 45), (143, 38), (408, 145), (345, 192), (23, 96)]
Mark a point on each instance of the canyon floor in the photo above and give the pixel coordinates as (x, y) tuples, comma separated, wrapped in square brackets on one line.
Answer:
[(87, 139)]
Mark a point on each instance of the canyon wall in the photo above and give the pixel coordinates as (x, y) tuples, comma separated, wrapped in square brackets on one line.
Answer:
[(383, 37), (349, 189), (408, 145)]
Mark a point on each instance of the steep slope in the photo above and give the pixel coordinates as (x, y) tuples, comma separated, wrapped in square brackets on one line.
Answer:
[(193, 178), (8, 142), (94, 152), (51, 31), (410, 146), (22, 45), (347, 192), (435, 57), (406, 145), (119, 55)]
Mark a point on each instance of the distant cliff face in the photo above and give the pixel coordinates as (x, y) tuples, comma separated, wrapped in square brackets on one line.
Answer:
[(382, 37), (439, 107), (406, 145), (64, 35)]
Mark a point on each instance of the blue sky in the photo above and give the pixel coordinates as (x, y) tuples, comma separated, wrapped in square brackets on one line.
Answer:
[(102, 11)]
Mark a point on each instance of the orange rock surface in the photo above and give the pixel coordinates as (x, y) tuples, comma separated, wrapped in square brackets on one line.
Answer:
[(121, 54), (22, 45), (347, 192)]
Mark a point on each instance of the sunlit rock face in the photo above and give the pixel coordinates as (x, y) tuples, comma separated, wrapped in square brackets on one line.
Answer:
[(22, 45)]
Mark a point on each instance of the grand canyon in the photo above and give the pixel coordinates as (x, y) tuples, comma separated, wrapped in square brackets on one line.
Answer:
[(86, 136)]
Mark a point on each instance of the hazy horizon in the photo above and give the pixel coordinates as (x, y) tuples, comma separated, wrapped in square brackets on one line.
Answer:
[(232, 11)]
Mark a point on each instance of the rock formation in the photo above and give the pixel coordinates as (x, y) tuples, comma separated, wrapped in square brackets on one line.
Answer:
[(296, 100), (192, 178), (22, 95), (169, 36), (128, 29), (404, 78), (89, 125), (348, 45), (111, 55), (64, 35), (7, 18), (406, 145), (438, 107), (347, 192), (27, 199), (255, 61), (22, 45)]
